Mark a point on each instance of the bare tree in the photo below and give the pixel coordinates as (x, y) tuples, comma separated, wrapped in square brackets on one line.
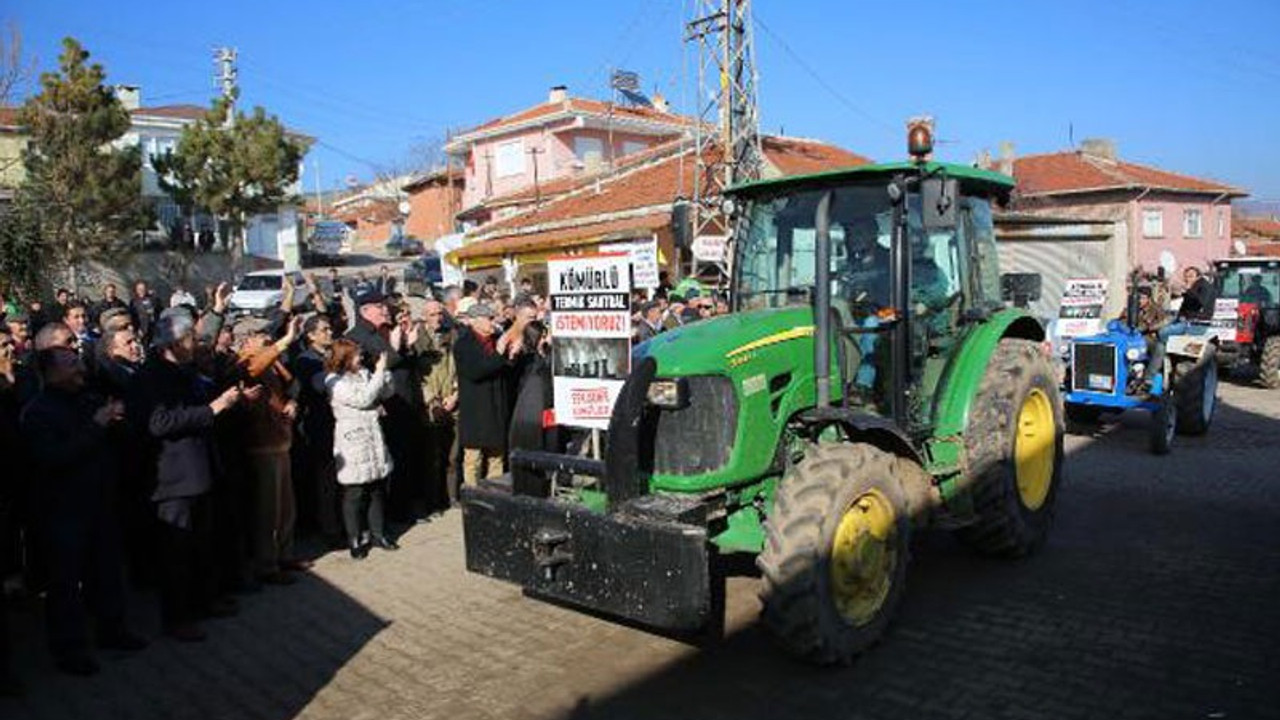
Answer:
[(15, 70)]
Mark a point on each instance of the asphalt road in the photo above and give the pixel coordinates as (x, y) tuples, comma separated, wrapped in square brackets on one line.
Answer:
[(1155, 597)]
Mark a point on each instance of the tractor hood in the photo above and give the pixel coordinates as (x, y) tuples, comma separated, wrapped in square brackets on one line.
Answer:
[(715, 345)]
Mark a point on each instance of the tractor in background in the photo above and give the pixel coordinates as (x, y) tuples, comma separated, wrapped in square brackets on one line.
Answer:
[(1247, 315), (1118, 370)]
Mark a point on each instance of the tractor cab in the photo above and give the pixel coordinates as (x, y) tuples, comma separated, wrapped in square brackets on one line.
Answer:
[(903, 279), (1247, 314)]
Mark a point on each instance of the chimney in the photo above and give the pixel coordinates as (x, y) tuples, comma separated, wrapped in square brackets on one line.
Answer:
[(129, 95), (659, 102), (1102, 148), (558, 94), (1005, 164)]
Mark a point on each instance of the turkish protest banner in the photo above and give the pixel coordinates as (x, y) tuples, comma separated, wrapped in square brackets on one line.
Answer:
[(590, 336), (644, 261), (1080, 312)]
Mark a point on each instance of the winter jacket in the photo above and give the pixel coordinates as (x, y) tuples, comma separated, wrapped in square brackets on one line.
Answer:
[(484, 404), (359, 451), (174, 409)]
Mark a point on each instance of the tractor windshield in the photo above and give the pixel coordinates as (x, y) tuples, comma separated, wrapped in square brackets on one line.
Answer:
[(1250, 283), (778, 247)]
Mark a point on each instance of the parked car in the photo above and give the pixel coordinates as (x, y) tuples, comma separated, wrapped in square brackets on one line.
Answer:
[(324, 244), (403, 246), (259, 292), (423, 277)]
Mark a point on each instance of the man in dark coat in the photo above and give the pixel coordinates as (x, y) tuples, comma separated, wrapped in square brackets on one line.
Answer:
[(178, 410), (1199, 297), (484, 402), (145, 308), (376, 333), (110, 301), (315, 475), (65, 431)]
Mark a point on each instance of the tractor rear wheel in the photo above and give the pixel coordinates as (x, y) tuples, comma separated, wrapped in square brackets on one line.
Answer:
[(836, 551), (1014, 451), (1269, 363), (1196, 394)]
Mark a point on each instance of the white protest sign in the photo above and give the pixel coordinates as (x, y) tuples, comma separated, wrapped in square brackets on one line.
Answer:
[(590, 336), (710, 248), (1080, 312), (1226, 312), (644, 260)]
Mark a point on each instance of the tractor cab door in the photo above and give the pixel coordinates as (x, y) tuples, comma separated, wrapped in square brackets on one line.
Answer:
[(954, 274)]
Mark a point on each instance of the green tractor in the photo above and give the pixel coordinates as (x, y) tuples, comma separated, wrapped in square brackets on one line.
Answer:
[(871, 382)]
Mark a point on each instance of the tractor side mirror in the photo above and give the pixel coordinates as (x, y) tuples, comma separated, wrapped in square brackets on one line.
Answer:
[(1021, 289), (940, 198)]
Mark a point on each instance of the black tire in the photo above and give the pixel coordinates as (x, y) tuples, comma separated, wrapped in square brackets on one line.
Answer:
[(1164, 426), (1006, 526), (797, 587), (1269, 363), (1196, 394)]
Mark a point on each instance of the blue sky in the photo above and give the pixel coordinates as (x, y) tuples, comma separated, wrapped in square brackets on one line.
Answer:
[(1188, 86)]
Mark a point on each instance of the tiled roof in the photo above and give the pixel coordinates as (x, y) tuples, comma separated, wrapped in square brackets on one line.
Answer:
[(583, 106), (178, 112), (1069, 172), (1256, 226), (8, 117), (638, 192), (1262, 249)]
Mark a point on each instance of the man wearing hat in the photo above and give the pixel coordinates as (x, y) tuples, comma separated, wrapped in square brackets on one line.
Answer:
[(484, 403), (375, 331)]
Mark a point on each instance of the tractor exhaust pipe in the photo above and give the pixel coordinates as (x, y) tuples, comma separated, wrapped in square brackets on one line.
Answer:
[(822, 302)]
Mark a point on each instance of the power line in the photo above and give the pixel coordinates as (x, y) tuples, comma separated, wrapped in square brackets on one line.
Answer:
[(839, 96)]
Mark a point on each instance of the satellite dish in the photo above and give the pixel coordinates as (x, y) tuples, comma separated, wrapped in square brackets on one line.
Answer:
[(1239, 247), (1168, 262)]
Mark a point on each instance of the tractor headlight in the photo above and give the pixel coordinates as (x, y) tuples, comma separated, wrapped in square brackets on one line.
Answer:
[(669, 394), (1137, 368), (1133, 354)]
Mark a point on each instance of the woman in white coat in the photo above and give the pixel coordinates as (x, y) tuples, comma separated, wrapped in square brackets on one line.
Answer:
[(363, 462)]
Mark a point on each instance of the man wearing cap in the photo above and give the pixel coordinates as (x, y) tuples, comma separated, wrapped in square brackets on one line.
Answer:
[(484, 405), (376, 333)]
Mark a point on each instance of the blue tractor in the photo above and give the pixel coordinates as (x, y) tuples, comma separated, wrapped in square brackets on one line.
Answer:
[(1111, 372)]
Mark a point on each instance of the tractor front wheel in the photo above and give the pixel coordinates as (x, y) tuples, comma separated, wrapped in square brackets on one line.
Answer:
[(1164, 425), (1269, 363), (1014, 451), (835, 558)]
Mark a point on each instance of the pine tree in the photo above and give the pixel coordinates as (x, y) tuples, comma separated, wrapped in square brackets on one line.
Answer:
[(84, 190), (232, 169)]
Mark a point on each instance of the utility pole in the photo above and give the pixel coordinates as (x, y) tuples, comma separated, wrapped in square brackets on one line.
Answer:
[(224, 60), (726, 134)]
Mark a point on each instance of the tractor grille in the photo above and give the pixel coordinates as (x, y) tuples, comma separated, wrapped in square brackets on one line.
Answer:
[(1094, 368), (698, 438)]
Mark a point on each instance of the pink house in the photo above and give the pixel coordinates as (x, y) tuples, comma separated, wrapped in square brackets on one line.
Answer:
[(1160, 218), (514, 160)]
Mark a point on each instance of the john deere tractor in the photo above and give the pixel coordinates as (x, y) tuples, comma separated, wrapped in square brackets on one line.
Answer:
[(871, 382)]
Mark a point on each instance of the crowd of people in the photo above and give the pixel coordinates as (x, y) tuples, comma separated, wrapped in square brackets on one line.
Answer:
[(181, 450)]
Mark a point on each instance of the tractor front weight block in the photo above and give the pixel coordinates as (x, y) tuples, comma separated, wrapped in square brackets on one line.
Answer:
[(654, 572)]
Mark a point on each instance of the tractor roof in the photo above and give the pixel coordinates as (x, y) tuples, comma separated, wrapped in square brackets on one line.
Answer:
[(970, 177), (1250, 260)]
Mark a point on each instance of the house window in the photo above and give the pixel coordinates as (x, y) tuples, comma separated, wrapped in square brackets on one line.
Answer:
[(588, 150), (1152, 223), (508, 159), (1222, 223), (630, 147), (1191, 224)]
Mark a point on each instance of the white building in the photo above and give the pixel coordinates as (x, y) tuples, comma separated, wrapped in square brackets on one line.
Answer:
[(156, 130)]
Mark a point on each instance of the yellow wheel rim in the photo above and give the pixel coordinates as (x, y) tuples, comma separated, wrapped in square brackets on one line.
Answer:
[(863, 557), (1034, 448)]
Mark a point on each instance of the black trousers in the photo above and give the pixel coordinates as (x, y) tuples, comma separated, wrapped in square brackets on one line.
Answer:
[(85, 576), (403, 432), (440, 482), (366, 500), (188, 582)]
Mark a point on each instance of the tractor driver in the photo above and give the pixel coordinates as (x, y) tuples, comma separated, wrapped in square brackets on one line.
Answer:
[(864, 287), (1256, 293)]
